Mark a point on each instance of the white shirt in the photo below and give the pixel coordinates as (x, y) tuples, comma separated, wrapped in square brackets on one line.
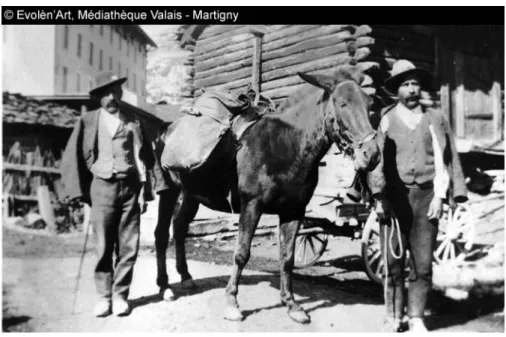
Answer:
[(112, 123), (411, 118)]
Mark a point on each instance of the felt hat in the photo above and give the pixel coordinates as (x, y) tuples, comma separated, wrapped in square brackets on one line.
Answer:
[(105, 80), (400, 70)]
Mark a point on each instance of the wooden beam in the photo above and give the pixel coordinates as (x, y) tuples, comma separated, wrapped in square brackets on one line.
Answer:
[(498, 116), (257, 64), (440, 64), (45, 208), (258, 30), (460, 91), (29, 168)]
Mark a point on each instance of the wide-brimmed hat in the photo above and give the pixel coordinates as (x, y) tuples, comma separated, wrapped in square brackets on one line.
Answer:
[(400, 70), (105, 80)]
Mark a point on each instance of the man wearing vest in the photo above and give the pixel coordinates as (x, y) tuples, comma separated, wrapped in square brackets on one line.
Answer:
[(419, 163), (106, 164)]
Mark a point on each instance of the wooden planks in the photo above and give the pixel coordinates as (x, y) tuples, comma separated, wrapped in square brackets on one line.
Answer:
[(459, 113), (497, 112), (257, 64)]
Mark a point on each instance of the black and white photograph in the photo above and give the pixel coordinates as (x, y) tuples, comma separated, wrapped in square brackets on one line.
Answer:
[(249, 169)]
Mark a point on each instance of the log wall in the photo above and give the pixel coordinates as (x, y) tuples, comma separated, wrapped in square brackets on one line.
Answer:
[(223, 55)]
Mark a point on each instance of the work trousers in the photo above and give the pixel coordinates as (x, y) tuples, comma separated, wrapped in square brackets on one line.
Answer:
[(115, 217), (419, 235)]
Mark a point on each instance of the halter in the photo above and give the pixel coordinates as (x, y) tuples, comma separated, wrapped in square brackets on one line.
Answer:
[(346, 146)]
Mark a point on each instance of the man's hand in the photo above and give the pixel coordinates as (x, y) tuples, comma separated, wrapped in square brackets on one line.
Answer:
[(435, 208), (381, 208), (143, 205)]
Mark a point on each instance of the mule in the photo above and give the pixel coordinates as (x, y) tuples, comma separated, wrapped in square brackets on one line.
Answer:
[(275, 172)]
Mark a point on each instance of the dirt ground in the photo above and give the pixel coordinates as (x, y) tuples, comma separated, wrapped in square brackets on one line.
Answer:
[(39, 274)]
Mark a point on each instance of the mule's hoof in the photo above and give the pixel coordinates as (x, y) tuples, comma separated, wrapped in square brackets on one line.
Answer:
[(233, 314), (299, 316), (167, 294), (188, 284)]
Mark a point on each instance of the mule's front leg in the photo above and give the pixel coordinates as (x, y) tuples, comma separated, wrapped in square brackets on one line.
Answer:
[(166, 203), (183, 215), (248, 221), (287, 233)]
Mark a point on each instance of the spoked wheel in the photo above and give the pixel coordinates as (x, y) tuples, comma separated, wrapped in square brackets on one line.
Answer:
[(309, 248), (371, 251), (456, 235)]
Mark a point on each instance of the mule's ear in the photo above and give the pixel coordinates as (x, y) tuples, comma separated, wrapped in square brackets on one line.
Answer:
[(327, 83)]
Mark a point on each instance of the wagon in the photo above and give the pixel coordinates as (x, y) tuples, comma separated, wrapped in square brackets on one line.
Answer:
[(358, 221)]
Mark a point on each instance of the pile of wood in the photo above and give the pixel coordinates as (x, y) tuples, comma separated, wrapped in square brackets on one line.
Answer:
[(25, 171), (31, 183), (20, 109), (484, 276)]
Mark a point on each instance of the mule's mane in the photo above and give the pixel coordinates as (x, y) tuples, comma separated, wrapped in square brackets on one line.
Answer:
[(341, 73)]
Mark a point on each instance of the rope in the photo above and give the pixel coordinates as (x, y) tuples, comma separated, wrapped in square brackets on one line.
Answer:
[(395, 223)]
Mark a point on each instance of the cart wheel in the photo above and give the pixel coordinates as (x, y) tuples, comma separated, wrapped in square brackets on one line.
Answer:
[(309, 248), (456, 235), (371, 251)]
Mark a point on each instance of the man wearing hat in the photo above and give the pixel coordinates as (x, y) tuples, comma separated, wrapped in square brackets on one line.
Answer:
[(420, 161), (106, 165)]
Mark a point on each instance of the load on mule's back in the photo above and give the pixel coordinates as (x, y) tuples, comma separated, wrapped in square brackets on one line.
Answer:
[(275, 171), (207, 136), (198, 150)]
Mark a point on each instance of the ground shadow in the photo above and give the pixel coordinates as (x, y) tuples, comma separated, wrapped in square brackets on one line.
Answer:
[(311, 289), (347, 263), (329, 290), (9, 322)]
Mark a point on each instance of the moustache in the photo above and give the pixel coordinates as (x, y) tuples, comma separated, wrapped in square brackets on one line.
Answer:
[(112, 103)]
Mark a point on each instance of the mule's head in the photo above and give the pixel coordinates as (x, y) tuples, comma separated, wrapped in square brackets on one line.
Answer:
[(346, 109)]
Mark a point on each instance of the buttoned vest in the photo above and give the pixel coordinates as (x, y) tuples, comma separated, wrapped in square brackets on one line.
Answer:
[(115, 153), (409, 155)]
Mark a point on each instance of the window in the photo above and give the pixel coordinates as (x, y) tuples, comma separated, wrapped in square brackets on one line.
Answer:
[(126, 75), (128, 49), (120, 41), (102, 30), (78, 82), (79, 42), (65, 79), (66, 37), (135, 55), (111, 35), (91, 53), (135, 83), (119, 69), (100, 63), (110, 62)]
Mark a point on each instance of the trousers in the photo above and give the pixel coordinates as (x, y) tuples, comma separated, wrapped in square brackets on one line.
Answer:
[(115, 218), (419, 235)]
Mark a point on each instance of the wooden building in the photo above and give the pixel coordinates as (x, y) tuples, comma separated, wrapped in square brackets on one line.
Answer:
[(466, 61)]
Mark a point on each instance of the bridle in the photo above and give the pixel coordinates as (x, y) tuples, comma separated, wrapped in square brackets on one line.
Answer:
[(346, 146)]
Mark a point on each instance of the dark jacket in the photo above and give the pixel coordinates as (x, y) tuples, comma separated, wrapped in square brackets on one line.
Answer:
[(445, 139), (81, 152)]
